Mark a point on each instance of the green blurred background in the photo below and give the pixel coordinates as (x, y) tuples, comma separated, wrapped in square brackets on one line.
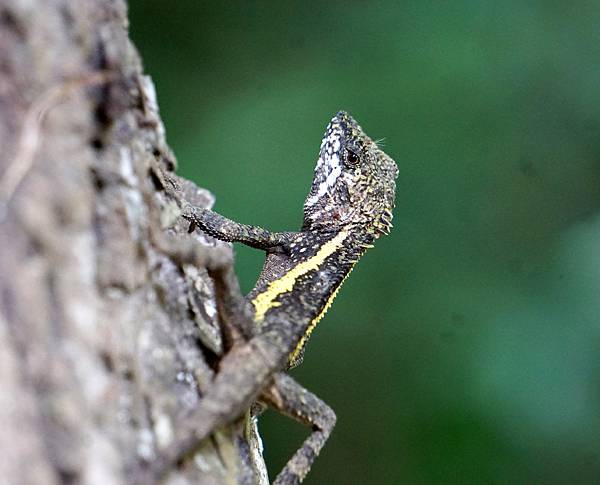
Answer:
[(465, 349)]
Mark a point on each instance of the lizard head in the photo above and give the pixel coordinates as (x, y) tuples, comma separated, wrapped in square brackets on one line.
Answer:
[(354, 183)]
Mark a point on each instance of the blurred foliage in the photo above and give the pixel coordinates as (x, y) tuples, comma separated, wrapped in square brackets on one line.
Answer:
[(465, 348)]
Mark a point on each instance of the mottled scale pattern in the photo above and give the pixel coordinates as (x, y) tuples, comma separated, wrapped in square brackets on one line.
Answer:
[(349, 205), (354, 181)]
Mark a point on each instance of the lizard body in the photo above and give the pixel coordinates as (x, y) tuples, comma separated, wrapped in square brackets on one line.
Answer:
[(348, 207)]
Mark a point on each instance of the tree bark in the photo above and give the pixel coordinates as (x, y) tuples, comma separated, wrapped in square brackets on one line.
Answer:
[(105, 336)]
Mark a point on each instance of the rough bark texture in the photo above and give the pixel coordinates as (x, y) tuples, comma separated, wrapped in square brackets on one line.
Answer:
[(104, 335)]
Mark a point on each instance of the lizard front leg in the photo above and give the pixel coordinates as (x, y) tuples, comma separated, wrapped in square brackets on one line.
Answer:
[(291, 399), (225, 229)]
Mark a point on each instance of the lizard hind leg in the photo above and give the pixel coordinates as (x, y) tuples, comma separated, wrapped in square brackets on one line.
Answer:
[(291, 399)]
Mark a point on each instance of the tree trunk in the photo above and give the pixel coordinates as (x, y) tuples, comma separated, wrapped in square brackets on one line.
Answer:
[(104, 335)]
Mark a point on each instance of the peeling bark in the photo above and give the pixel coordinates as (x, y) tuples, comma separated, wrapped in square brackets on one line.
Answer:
[(104, 336)]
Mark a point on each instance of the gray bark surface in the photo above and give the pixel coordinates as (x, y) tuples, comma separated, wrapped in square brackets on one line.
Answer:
[(104, 335)]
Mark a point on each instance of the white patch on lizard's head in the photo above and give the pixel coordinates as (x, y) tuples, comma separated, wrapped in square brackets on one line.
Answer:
[(328, 167), (354, 181)]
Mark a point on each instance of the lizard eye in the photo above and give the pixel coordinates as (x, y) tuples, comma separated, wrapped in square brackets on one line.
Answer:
[(352, 159)]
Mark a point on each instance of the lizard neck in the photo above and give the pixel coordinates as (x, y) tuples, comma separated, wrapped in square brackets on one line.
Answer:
[(297, 288)]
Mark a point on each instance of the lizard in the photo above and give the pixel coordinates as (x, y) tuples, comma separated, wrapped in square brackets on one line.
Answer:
[(348, 207)]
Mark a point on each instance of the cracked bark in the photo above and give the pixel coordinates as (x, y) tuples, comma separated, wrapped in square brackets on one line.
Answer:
[(104, 336)]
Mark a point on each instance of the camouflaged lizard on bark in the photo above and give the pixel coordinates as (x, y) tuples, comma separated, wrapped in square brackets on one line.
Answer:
[(349, 206)]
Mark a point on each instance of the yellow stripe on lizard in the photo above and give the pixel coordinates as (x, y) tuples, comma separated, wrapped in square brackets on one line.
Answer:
[(264, 301), (296, 353)]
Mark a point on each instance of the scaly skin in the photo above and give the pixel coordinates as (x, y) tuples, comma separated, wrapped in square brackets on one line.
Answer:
[(348, 207)]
